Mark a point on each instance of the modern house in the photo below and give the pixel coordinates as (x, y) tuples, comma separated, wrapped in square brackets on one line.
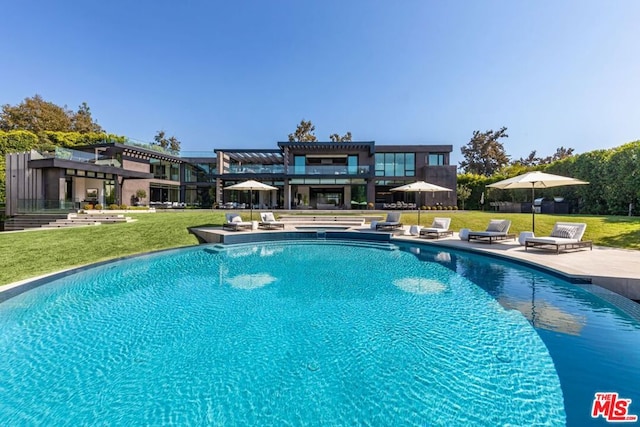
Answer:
[(315, 175)]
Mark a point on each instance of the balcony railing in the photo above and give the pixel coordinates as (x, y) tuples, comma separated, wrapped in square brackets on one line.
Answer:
[(77, 156), (31, 206), (256, 169), (329, 170)]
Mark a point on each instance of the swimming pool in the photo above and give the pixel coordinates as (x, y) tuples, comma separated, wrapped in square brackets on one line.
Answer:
[(313, 332)]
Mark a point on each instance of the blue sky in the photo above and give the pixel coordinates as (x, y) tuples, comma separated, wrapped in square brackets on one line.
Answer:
[(242, 74)]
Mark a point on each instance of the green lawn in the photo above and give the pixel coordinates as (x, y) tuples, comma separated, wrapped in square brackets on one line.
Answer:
[(28, 254)]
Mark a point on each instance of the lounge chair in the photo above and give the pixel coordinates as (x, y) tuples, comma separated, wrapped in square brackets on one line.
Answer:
[(392, 222), (235, 223), (268, 221), (498, 229), (565, 235), (439, 228)]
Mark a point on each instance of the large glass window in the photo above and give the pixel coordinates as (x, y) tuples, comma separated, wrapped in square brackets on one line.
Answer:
[(395, 164), (435, 159), (109, 192), (299, 163), (165, 170), (410, 164), (352, 165)]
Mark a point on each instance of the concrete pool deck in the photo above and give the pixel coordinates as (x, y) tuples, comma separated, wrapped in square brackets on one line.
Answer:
[(617, 270)]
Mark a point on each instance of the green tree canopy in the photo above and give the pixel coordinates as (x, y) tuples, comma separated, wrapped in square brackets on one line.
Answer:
[(37, 115), (484, 154), (534, 160), (304, 132), (170, 144), (337, 138)]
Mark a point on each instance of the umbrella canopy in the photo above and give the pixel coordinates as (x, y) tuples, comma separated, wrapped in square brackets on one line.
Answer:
[(251, 185), (419, 187), (535, 180)]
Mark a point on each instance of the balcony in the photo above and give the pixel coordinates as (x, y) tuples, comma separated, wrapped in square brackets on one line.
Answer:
[(329, 170), (256, 169), (77, 156)]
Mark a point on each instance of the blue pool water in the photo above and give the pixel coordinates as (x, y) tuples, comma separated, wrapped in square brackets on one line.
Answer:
[(312, 333)]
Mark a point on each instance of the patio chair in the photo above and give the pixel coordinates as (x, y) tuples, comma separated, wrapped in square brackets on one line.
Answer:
[(392, 222), (564, 236), (439, 228), (498, 229), (268, 221), (235, 223)]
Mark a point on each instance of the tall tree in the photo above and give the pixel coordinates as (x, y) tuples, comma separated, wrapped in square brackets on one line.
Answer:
[(170, 144), (484, 154), (304, 132), (337, 138), (161, 140), (533, 160), (35, 115), (82, 121)]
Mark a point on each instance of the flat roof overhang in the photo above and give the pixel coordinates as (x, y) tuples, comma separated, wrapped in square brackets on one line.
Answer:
[(70, 164), (331, 147)]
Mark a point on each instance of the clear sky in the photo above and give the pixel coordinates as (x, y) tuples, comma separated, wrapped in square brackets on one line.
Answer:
[(242, 74)]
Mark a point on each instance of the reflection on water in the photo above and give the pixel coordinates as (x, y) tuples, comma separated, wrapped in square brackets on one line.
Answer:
[(545, 315), (419, 285), (250, 281)]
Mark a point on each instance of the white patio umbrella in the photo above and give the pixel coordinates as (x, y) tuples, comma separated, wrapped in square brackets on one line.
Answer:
[(251, 185), (535, 180), (419, 187)]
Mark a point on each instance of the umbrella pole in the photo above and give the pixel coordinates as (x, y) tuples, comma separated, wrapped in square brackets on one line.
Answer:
[(251, 203), (533, 208), (418, 206)]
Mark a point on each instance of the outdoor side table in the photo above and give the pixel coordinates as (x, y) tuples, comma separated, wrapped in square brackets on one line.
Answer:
[(523, 236), (464, 234), (415, 230)]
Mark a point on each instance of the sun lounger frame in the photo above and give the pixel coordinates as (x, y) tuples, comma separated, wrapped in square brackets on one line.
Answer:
[(485, 236), (558, 246), (434, 232)]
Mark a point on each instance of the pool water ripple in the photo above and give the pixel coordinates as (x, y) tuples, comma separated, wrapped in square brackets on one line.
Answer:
[(279, 333)]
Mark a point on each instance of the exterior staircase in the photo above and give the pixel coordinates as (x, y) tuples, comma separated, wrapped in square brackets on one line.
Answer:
[(33, 221)]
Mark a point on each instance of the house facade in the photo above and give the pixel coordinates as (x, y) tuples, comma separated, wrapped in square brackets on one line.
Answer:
[(317, 175)]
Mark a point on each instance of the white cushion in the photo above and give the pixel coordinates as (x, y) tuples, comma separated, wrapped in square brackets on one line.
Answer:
[(268, 217), (438, 224), (236, 218), (564, 231), (495, 225)]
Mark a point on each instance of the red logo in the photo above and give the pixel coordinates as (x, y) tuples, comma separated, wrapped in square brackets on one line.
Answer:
[(612, 408)]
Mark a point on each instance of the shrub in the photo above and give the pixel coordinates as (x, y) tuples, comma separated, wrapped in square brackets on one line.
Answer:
[(87, 207), (114, 207), (98, 206), (124, 207)]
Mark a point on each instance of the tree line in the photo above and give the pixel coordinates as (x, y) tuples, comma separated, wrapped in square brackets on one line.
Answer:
[(614, 174), (54, 125)]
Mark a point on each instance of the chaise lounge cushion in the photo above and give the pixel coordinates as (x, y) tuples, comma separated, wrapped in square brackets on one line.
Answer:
[(558, 239), (440, 223), (392, 221), (498, 225), (267, 217), (236, 218), (564, 231), (235, 222)]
